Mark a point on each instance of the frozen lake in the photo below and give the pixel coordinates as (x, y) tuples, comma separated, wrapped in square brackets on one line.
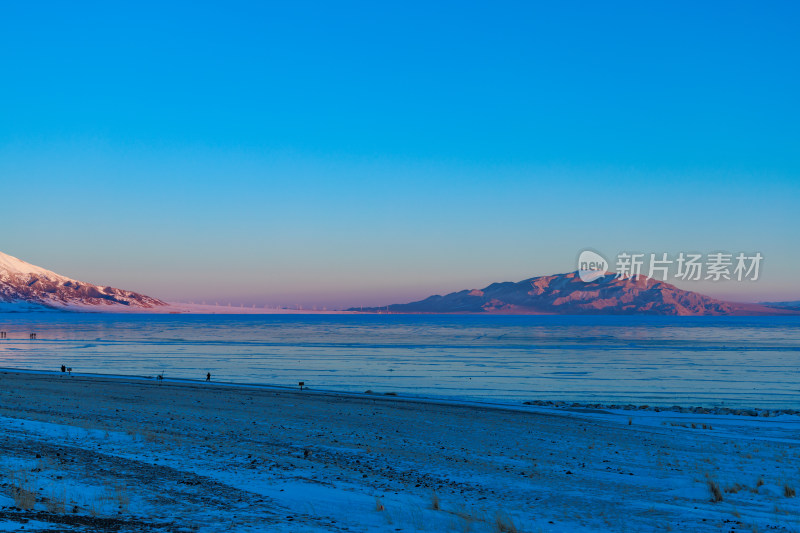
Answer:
[(731, 361)]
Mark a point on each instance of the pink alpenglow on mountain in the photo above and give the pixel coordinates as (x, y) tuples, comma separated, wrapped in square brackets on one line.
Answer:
[(23, 284), (567, 294)]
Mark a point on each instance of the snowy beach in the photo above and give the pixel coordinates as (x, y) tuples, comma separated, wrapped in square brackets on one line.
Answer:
[(88, 453)]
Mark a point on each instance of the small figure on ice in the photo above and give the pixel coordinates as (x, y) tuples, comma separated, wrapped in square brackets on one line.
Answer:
[(208, 376)]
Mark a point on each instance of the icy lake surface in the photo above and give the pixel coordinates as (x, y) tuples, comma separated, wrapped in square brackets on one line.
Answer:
[(709, 361)]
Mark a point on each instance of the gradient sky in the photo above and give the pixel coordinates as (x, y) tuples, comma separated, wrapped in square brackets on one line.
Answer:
[(370, 153)]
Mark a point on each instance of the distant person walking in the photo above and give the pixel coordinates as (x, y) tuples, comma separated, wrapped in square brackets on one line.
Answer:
[(63, 368), (208, 376)]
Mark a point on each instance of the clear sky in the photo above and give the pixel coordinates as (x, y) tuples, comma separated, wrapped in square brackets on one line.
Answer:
[(371, 152)]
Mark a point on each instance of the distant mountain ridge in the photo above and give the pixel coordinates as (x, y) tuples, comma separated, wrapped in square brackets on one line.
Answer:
[(568, 294), (792, 305), (26, 286)]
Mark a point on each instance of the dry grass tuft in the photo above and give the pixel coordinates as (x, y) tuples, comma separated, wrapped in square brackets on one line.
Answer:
[(436, 505), (57, 502), (716, 494), (22, 491), (23, 498), (504, 524), (788, 491), (733, 489), (118, 494)]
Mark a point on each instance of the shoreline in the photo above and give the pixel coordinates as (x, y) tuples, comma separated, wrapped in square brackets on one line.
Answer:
[(132, 455), (524, 406)]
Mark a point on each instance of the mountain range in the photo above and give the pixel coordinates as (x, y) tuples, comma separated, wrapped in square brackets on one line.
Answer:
[(794, 305), (27, 287), (568, 294)]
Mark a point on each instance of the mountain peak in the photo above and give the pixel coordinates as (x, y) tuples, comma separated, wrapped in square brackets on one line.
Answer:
[(24, 283), (568, 294), (12, 266)]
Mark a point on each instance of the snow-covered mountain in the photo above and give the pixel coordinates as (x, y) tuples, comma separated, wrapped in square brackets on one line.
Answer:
[(568, 294), (24, 286)]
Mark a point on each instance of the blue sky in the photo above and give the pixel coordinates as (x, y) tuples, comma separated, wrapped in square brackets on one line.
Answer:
[(305, 152)]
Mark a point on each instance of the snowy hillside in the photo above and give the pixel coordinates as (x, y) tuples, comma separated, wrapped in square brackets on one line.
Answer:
[(25, 287)]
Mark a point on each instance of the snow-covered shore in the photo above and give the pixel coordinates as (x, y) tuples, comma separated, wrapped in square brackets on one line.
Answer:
[(120, 454)]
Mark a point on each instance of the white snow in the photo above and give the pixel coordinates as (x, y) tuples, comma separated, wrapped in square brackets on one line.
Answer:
[(233, 459), (10, 265)]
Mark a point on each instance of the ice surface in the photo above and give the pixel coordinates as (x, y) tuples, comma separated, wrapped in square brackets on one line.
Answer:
[(724, 361)]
